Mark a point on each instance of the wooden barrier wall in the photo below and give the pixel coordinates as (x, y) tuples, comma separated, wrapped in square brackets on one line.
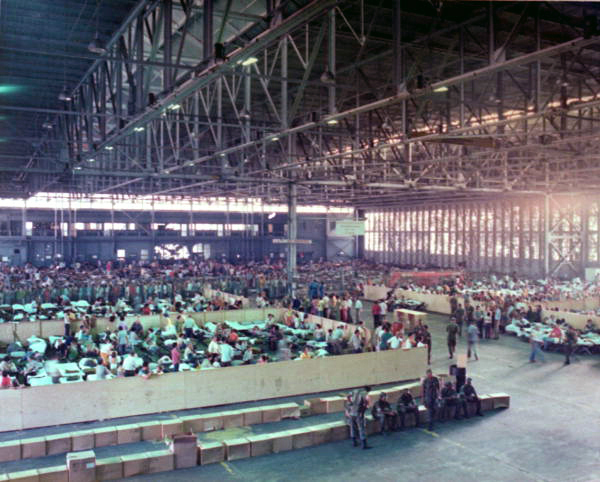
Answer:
[(45, 329), (209, 293), (87, 401), (441, 304)]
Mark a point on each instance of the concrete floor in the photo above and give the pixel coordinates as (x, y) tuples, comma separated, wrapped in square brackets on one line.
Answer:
[(548, 434)]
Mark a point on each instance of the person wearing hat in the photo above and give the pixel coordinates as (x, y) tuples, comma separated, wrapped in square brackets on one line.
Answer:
[(449, 400), (468, 394), (382, 411)]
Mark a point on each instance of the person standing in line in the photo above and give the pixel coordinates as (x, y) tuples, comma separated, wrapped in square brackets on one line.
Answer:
[(358, 405), (472, 340), (452, 330), (430, 393)]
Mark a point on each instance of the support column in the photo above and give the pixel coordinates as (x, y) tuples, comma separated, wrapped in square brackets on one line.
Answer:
[(547, 235), (331, 62), (360, 240), (292, 235), (207, 34)]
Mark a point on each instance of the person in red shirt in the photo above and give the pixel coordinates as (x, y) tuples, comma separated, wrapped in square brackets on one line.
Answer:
[(5, 381), (175, 357), (233, 337), (376, 311)]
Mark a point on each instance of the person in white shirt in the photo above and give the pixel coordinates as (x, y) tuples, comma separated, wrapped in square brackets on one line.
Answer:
[(357, 308), (213, 347), (130, 364), (395, 342), (226, 354), (383, 306)]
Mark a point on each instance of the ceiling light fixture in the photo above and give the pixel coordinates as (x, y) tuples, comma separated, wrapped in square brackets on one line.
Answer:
[(440, 89), (332, 122), (174, 107), (92, 160), (327, 77), (96, 46), (109, 148), (138, 129), (249, 61), (64, 95), (274, 139), (47, 125), (271, 216)]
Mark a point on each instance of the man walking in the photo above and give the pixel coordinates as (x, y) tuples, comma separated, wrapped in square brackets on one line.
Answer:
[(472, 340), (452, 330), (570, 342)]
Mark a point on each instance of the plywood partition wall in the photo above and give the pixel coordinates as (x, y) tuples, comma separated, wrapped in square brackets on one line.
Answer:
[(44, 329), (122, 397)]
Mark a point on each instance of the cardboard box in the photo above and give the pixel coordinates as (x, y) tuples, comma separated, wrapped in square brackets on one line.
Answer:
[(339, 431), (54, 474), (185, 450), (10, 451), (82, 440), (238, 448), (321, 434), (109, 468), (252, 416), (193, 423), (233, 418), (135, 464), (271, 414), (302, 437), (317, 406), (171, 427), (282, 441), (487, 403), (211, 452), (58, 444), (334, 404), (81, 466), (151, 430), (32, 448), (422, 414), (160, 461), (128, 434), (212, 421), (260, 445), (105, 436), (371, 425), (290, 410), (501, 400), (30, 475)]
